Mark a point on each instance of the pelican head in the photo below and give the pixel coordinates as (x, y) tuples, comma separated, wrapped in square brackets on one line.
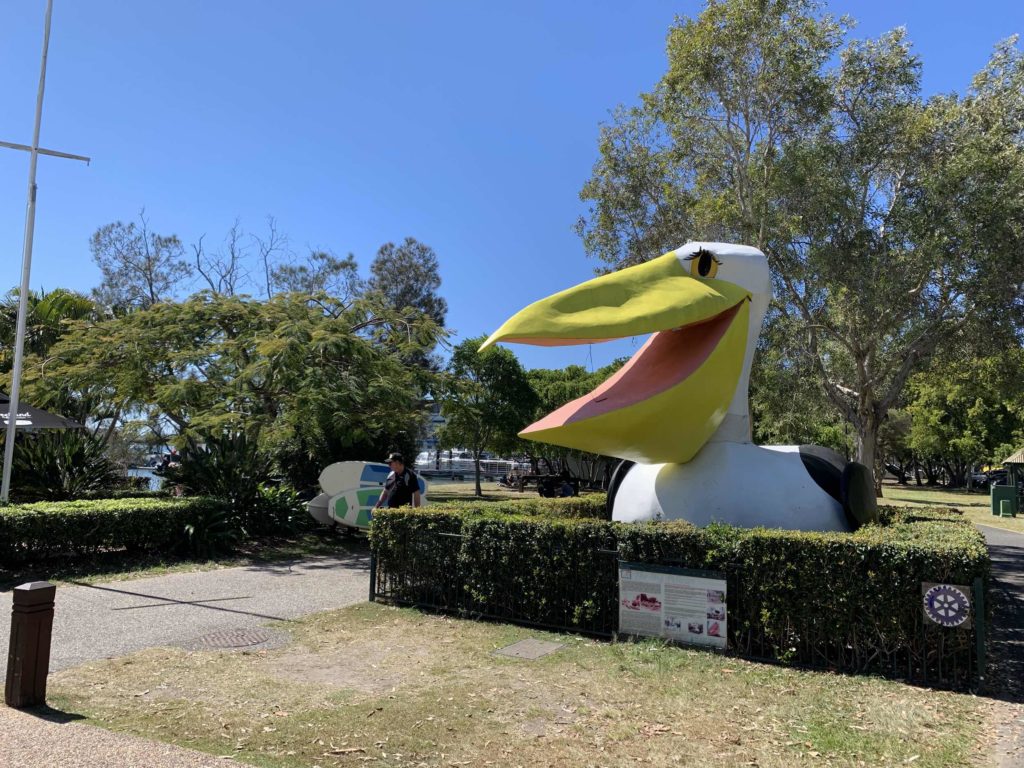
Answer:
[(703, 303)]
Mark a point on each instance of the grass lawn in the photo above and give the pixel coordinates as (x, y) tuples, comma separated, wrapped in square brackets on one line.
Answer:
[(446, 490), (395, 687), (976, 506)]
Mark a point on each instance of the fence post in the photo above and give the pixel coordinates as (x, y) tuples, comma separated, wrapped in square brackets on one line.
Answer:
[(373, 578), (28, 660), (979, 628)]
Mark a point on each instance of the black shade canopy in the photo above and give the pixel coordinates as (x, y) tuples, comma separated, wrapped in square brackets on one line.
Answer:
[(30, 418)]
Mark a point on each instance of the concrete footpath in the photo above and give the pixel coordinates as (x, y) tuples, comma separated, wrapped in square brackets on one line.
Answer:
[(46, 739), (98, 621), (1006, 668), (189, 610)]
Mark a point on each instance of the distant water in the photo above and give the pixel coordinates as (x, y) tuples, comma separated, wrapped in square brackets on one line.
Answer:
[(155, 481)]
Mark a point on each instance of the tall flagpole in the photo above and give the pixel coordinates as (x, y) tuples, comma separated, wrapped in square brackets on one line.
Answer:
[(26, 267)]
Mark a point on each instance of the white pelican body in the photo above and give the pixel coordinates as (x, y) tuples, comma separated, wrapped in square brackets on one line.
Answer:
[(737, 483)]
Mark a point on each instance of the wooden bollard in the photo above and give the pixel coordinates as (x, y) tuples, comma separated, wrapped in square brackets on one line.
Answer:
[(28, 661)]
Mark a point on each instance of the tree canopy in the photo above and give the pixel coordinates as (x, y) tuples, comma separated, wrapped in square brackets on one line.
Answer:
[(891, 221), (295, 375), (486, 400), (139, 267)]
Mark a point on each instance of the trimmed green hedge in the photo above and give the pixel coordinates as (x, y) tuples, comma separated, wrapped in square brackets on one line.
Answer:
[(849, 601), (32, 532), (843, 601), (591, 506)]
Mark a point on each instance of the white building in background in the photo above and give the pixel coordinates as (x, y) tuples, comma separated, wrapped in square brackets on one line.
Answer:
[(428, 441), (455, 461)]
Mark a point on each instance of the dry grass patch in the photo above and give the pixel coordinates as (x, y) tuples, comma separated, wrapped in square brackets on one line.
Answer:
[(371, 684)]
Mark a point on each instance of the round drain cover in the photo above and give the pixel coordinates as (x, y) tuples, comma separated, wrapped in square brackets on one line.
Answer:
[(234, 638)]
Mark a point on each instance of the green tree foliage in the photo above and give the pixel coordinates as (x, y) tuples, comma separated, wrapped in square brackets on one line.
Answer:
[(486, 400), (894, 444), (404, 278), (968, 412), (890, 221), (322, 272), (787, 404), (297, 376), (49, 318), (140, 268)]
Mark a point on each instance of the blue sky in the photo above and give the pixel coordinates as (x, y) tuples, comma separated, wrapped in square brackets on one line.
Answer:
[(470, 126)]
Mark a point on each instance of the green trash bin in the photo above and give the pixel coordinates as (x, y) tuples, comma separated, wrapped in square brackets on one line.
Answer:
[(1001, 493)]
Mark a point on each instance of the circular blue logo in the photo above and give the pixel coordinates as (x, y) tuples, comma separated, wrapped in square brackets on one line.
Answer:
[(947, 605)]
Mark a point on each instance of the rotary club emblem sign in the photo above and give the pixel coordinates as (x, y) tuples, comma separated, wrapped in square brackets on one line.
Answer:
[(948, 605)]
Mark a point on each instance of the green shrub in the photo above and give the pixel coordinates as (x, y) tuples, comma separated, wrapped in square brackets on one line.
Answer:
[(279, 511), (126, 493), (229, 467), (33, 532), (844, 601), (211, 530), (232, 468), (550, 572), (514, 560), (58, 465)]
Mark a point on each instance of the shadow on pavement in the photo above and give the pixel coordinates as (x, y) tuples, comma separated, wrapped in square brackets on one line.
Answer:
[(320, 549), (353, 560), (51, 715), (1006, 663), (165, 601)]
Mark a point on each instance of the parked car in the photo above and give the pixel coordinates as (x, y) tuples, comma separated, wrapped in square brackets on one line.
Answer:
[(997, 477), (979, 478)]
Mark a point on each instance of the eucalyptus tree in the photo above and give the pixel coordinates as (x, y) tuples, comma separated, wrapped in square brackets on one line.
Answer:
[(890, 220)]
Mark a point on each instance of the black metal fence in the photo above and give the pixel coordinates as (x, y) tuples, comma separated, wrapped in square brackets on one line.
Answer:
[(568, 605), (442, 573)]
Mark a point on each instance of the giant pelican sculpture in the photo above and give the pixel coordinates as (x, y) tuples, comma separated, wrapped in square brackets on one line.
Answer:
[(677, 412)]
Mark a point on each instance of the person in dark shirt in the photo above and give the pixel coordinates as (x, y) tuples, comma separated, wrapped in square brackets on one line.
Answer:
[(401, 487)]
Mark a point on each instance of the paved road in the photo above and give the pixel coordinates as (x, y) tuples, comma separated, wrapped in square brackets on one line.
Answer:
[(1006, 671), (113, 619), (102, 620), (1006, 549)]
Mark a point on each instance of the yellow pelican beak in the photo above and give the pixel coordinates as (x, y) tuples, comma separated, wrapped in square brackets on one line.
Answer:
[(665, 403)]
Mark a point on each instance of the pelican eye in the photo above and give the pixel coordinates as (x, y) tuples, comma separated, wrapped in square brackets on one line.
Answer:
[(703, 263)]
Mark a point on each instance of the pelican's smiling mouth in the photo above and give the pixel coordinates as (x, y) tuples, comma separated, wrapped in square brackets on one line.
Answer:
[(665, 403)]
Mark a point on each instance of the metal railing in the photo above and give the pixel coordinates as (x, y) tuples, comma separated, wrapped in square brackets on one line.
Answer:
[(453, 579)]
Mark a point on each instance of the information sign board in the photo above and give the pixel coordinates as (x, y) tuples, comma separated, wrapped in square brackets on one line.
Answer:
[(678, 604)]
